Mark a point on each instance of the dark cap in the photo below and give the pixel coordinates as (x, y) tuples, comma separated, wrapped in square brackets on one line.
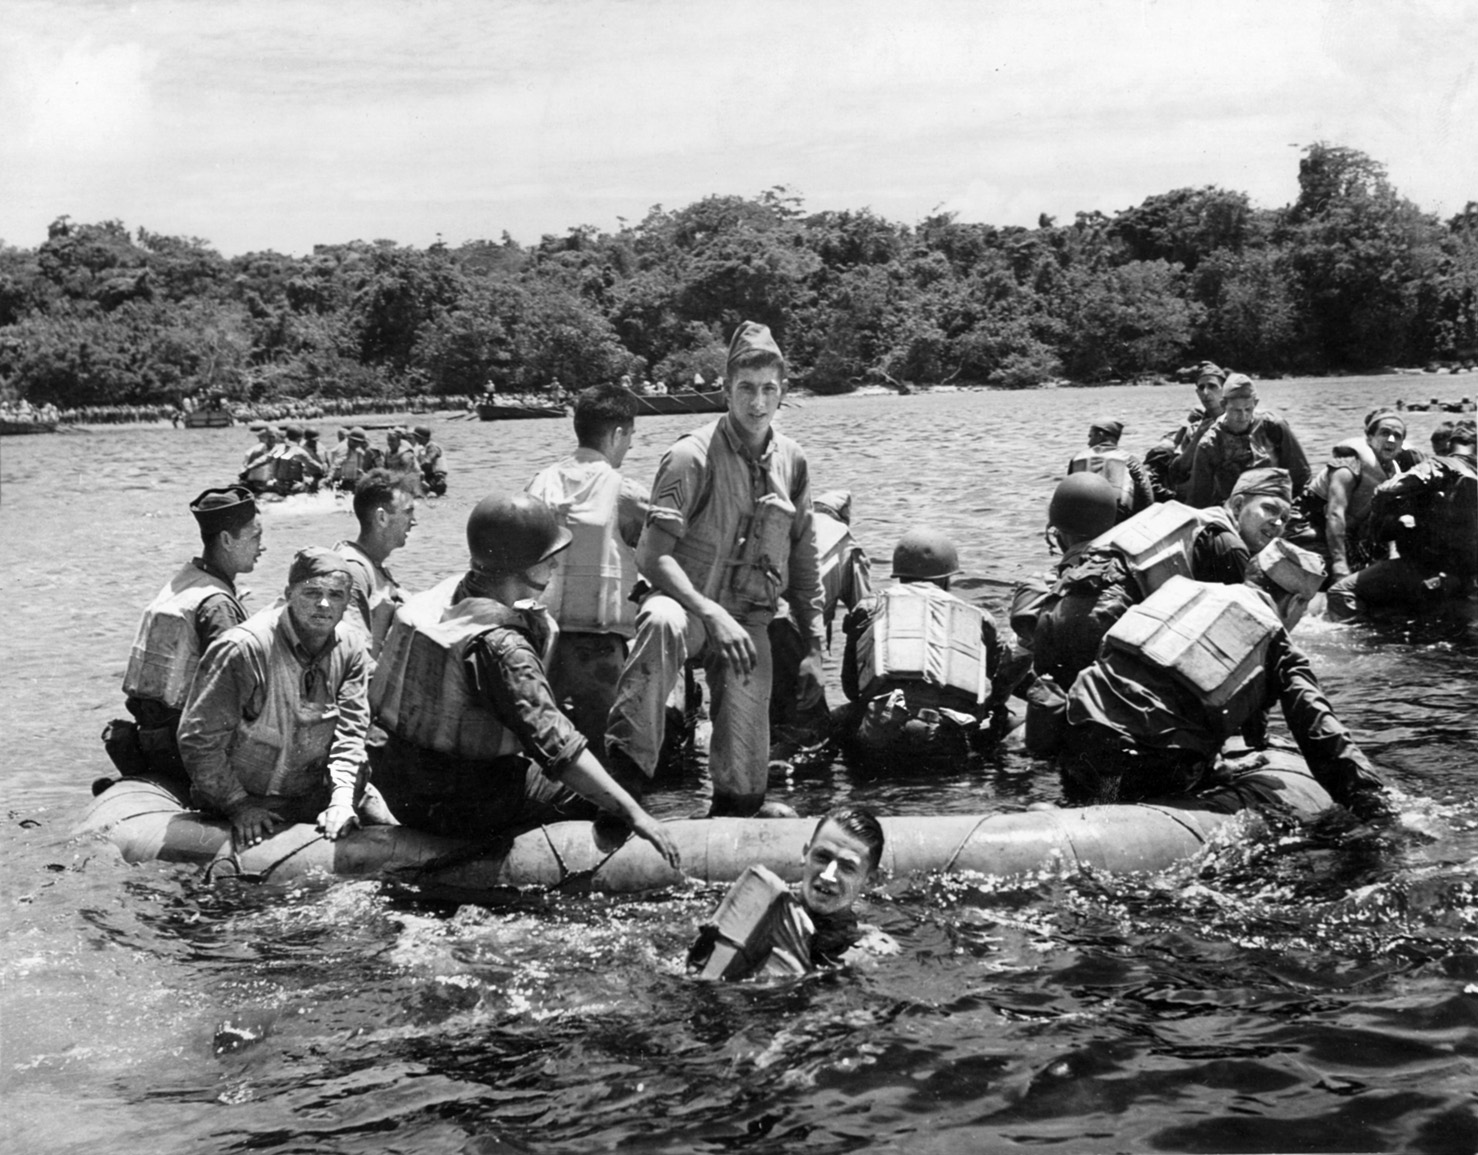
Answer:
[(311, 431), (423, 432), (1107, 425), (224, 510), (315, 561), (293, 431)]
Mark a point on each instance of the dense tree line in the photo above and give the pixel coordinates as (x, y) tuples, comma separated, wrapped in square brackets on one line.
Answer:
[(1351, 276)]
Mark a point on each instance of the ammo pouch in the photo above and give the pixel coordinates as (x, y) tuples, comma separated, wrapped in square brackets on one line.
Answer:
[(757, 577), (121, 741)]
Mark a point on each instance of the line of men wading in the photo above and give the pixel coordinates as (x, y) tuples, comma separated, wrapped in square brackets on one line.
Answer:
[(534, 686)]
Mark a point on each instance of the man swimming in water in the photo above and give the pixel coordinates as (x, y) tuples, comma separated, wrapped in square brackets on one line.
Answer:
[(762, 926)]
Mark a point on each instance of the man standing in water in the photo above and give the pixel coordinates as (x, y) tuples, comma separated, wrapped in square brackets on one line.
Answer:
[(590, 594), (385, 504), (1170, 461), (197, 606), (1241, 439), (730, 532), (273, 729)]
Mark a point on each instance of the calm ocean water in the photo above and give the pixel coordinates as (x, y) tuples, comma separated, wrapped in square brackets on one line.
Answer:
[(1304, 991)]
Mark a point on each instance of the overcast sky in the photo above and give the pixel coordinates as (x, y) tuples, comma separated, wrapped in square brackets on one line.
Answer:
[(284, 123)]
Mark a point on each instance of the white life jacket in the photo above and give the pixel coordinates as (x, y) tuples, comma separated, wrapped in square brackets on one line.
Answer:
[(384, 594), (921, 633), (420, 690), (166, 650), (590, 591), (1112, 465), (1368, 471), (1212, 638), (283, 750), (1155, 543)]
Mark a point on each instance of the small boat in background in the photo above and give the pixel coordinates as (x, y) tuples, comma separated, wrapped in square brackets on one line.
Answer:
[(497, 411), (664, 404)]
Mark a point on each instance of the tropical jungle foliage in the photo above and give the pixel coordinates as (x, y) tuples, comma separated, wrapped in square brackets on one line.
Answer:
[(1351, 276)]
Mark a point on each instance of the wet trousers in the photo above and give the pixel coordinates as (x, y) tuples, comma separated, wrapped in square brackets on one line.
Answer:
[(739, 704)]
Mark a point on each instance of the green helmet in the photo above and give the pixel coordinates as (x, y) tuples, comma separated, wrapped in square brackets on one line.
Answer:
[(1083, 504), (507, 535), (925, 555)]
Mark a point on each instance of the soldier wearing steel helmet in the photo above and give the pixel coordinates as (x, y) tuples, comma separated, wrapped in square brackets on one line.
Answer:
[(925, 672), (476, 743)]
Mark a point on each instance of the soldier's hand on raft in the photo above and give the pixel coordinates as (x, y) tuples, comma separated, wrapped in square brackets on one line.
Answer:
[(649, 828), (731, 641), (337, 820), (253, 822)]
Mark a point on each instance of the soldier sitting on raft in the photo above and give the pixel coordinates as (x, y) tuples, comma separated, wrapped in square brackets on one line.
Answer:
[(273, 729), (927, 673), (197, 606), (1193, 665), (1432, 513), (764, 928), (1334, 508), (1130, 561), (476, 745)]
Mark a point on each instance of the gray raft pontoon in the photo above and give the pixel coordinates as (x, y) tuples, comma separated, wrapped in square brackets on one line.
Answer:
[(146, 823)]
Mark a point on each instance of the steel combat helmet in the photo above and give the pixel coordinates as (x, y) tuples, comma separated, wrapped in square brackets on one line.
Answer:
[(508, 535)]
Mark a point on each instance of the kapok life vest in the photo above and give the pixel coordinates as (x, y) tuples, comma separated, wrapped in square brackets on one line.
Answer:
[(1211, 638), (1155, 543), (166, 650), (759, 925), (590, 591), (353, 463), (921, 633), (420, 690), (287, 465), (1112, 464), (1369, 473), (842, 570), (263, 470), (384, 594), (283, 750), (747, 570)]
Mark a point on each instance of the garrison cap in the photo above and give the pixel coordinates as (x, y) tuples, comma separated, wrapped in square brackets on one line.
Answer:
[(1264, 482), (1299, 571), (752, 337), (225, 509), (1238, 385), (316, 561), (837, 502), (1108, 425), (1210, 370)]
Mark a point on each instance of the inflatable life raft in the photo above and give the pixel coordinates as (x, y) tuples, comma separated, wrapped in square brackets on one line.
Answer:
[(146, 823)]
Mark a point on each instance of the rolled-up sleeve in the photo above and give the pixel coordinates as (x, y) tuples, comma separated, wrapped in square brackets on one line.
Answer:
[(228, 687), (677, 491), (508, 674)]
